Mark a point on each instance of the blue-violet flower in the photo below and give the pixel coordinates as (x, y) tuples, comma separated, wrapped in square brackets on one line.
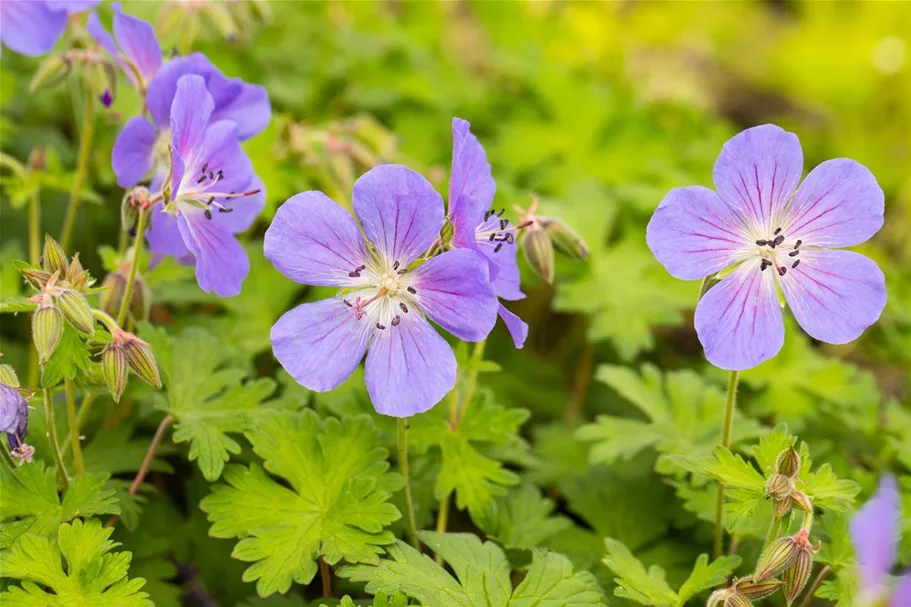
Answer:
[(32, 27)]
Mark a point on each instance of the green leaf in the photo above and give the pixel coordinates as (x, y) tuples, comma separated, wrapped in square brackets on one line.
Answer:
[(205, 395), (482, 577), (90, 573), (71, 356), (336, 506), (733, 471), (634, 582), (466, 469), (828, 492), (522, 519), (29, 502), (706, 576), (770, 447)]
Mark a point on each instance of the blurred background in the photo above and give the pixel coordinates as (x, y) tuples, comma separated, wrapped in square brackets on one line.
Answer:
[(598, 109)]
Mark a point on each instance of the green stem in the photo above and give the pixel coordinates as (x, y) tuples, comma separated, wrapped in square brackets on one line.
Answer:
[(62, 478), (730, 405), (402, 440), (442, 523), (84, 409), (73, 423), (137, 251), (8, 458), (472, 383), (82, 165), (34, 227), (772, 534)]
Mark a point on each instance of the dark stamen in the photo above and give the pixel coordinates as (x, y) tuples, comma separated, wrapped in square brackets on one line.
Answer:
[(360, 268), (395, 266), (795, 264), (500, 214), (402, 271), (510, 238), (487, 214), (765, 263), (221, 175), (380, 327), (492, 236), (793, 253), (777, 231), (205, 168), (404, 308), (778, 240), (396, 321), (798, 243), (412, 290), (211, 175), (225, 210), (782, 271), (354, 274), (762, 243), (497, 248), (208, 214), (504, 223), (201, 179), (346, 302)]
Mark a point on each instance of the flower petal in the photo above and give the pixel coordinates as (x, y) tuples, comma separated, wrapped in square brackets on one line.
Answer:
[(501, 258), (874, 531), (190, 112), (835, 295), (901, 593), (319, 344), (30, 28), (102, 37), (249, 108), (739, 320), (694, 233), (517, 327), (756, 173), (163, 87), (399, 210), (133, 151), (471, 186), (219, 151), (221, 263), (137, 40), (314, 241), (163, 234), (244, 211), (72, 6), (839, 204), (454, 290), (409, 369)]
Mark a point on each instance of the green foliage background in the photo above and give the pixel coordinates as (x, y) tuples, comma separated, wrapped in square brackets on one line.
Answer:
[(596, 429)]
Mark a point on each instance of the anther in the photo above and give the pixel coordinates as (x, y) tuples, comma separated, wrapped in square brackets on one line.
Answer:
[(225, 210), (211, 175), (510, 238), (504, 223), (500, 214), (354, 274), (765, 263), (205, 168), (208, 214), (395, 266), (201, 179), (798, 243), (380, 327), (795, 264), (402, 271), (762, 243), (412, 290), (782, 271), (346, 302), (778, 240), (396, 321), (777, 231), (793, 253), (497, 248), (487, 214), (220, 175), (403, 307), (492, 237)]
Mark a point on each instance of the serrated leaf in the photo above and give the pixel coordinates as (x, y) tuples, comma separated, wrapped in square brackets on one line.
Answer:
[(770, 446), (481, 579), (29, 502), (733, 471), (205, 395), (71, 356), (336, 506), (634, 581), (89, 574), (522, 519), (705, 576), (828, 491)]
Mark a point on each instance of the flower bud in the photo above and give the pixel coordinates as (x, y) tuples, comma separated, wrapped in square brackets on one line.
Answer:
[(114, 287), (776, 558), (141, 360), (129, 214), (47, 329), (539, 252), (37, 160), (736, 600), (77, 276), (782, 507), (8, 376), (565, 239), (778, 486), (54, 257), (35, 277), (115, 369), (800, 500), (76, 308), (51, 72), (797, 575), (755, 591), (447, 231), (788, 462)]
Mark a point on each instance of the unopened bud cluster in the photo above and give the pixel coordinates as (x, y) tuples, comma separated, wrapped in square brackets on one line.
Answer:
[(781, 485), (126, 352), (542, 235)]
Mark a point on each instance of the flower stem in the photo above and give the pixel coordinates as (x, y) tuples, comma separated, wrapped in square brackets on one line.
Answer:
[(62, 478), (82, 165), (402, 440), (34, 227), (325, 580), (730, 404), (8, 458), (74, 426), (808, 597), (137, 251), (150, 453), (84, 408), (472, 383), (772, 533), (442, 523)]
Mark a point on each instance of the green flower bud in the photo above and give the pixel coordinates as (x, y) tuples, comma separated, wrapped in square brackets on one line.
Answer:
[(776, 558), (47, 329), (797, 575), (788, 462), (8, 376), (737, 600), (51, 72), (565, 239), (800, 500), (782, 507), (113, 289), (141, 360), (54, 257), (539, 252), (115, 368), (76, 309), (778, 486), (35, 277), (447, 232), (758, 590), (129, 214), (77, 276)]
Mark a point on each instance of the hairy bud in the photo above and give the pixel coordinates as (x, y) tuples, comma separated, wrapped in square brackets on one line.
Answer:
[(797, 575), (776, 558), (778, 486), (788, 462), (129, 214), (539, 252), (736, 600), (78, 277), (141, 360), (76, 309), (35, 277), (565, 239), (8, 376), (755, 591), (114, 287), (54, 257), (800, 500), (447, 231), (47, 329), (51, 72), (115, 368), (782, 507)]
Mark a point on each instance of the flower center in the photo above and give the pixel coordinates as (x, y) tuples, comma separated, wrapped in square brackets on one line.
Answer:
[(394, 296), (161, 150), (778, 253)]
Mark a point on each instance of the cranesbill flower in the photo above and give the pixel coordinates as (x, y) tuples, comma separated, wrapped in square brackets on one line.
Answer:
[(875, 531), (13, 415), (767, 234), (134, 45), (392, 291), (142, 146), (477, 226), (32, 27), (212, 193)]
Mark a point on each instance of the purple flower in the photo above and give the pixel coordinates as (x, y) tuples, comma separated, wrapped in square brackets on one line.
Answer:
[(142, 146), (134, 45), (13, 415), (32, 27), (772, 235), (214, 193), (875, 531), (392, 291), (479, 227)]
